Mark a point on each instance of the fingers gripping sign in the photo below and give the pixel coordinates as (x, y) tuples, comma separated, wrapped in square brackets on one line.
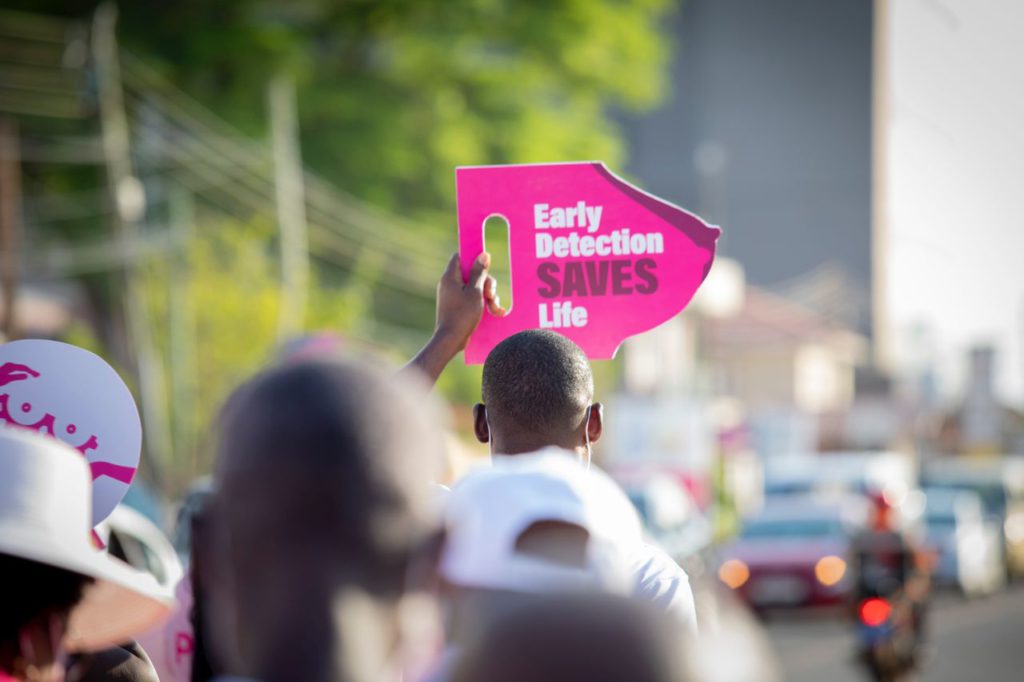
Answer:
[(460, 306), (461, 303)]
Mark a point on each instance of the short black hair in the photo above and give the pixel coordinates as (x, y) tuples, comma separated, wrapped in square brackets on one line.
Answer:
[(537, 381)]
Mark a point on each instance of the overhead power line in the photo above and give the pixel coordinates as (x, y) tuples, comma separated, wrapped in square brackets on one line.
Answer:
[(197, 149)]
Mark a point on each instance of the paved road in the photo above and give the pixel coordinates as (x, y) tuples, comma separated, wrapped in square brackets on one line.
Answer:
[(980, 639)]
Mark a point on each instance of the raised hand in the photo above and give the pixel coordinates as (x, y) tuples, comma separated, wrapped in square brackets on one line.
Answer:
[(460, 306)]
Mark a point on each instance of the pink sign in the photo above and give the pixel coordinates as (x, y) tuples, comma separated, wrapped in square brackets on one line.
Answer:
[(592, 257), (171, 645), (71, 394)]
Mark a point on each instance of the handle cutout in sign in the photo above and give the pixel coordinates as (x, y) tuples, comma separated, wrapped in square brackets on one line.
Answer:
[(590, 255), (498, 243)]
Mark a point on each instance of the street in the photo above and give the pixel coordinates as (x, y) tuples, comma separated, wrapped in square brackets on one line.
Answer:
[(970, 640)]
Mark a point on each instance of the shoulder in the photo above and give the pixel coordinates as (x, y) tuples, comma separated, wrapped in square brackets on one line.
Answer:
[(659, 579)]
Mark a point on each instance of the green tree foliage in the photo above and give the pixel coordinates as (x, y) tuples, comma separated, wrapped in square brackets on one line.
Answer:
[(225, 287), (393, 94)]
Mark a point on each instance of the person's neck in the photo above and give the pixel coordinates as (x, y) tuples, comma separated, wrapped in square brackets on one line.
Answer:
[(524, 445), (345, 635)]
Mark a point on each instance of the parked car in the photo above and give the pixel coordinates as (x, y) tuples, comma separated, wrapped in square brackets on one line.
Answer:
[(133, 538), (794, 552), (999, 482), (967, 546)]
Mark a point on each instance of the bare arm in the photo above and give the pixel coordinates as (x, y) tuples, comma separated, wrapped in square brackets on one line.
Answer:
[(460, 306)]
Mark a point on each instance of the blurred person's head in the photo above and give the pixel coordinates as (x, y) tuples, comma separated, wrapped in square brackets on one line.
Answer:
[(58, 590), (882, 515), (590, 636), (322, 504), (537, 391), (34, 614), (577, 638), (534, 524)]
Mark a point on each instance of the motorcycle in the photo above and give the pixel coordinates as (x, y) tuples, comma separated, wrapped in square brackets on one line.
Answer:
[(888, 641)]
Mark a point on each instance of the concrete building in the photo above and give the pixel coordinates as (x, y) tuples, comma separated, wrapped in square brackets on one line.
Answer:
[(775, 354), (767, 132)]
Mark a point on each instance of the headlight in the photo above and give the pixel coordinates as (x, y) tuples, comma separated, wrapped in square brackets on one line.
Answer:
[(829, 570), (734, 573)]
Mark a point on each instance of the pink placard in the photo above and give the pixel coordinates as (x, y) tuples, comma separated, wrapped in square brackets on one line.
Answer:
[(592, 257)]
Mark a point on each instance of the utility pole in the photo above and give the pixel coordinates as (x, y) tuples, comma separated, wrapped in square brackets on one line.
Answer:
[(10, 222), (182, 323), (880, 85), (128, 197), (291, 205)]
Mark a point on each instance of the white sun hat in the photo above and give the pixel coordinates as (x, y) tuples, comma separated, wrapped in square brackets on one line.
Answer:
[(491, 508), (45, 516)]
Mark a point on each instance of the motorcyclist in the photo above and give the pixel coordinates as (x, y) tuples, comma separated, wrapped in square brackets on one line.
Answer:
[(886, 564), (884, 558)]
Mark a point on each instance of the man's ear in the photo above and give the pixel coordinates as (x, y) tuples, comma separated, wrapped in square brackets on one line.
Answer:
[(480, 426), (595, 425)]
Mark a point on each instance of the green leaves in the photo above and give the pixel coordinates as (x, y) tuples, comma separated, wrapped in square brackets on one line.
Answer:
[(393, 93)]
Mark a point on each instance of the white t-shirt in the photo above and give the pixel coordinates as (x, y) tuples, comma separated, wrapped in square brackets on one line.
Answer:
[(655, 578), (659, 579)]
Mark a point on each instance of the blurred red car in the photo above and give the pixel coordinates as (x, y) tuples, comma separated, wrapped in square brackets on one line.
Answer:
[(793, 553)]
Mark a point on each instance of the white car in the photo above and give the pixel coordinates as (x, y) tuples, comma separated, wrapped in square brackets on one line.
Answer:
[(133, 538), (967, 545)]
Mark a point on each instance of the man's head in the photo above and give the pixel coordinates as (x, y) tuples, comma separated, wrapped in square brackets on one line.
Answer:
[(322, 502), (882, 516), (565, 638), (537, 391)]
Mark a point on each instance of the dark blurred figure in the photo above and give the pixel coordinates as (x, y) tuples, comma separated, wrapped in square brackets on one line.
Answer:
[(890, 595), (203, 668), (578, 638), (886, 561), (320, 515)]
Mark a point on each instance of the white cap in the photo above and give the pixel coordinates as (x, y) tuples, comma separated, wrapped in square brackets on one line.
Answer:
[(46, 516), (491, 507)]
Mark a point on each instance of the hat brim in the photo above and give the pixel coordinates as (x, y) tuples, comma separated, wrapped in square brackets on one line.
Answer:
[(121, 602)]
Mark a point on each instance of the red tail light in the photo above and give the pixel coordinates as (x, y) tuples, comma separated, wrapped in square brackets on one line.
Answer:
[(874, 611)]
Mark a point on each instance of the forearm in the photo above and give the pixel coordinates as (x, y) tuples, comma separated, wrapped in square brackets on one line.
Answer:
[(431, 360), (460, 304)]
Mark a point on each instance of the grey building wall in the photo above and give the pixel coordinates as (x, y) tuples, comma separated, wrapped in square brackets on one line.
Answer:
[(767, 131)]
